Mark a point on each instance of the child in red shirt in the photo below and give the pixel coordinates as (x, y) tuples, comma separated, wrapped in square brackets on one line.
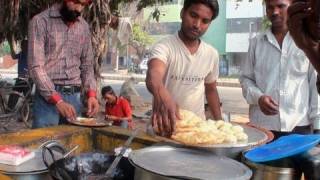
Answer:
[(117, 109)]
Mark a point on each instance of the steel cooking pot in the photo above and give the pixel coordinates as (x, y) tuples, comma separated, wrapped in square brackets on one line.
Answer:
[(33, 169), (90, 164), (171, 163), (283, 169)]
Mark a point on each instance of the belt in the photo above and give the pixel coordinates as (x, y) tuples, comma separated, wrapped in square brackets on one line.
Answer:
[(67, 89)]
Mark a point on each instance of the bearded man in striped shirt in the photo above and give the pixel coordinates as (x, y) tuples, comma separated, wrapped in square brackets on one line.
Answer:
[(60, 59)]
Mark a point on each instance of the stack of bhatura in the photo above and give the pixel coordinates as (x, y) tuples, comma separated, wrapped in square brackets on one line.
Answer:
[(192, 130)]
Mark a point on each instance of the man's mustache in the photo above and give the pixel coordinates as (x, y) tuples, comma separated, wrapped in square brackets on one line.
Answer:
[(275, 17)]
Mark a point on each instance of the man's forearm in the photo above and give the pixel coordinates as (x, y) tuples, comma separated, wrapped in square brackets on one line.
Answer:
[(250, 91), (154, 83), (124, 118), (45, 86), (214, 106), (118, 118), (214, 102)]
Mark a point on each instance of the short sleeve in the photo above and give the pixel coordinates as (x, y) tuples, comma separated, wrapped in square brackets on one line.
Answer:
[(160, 51), (126, 108)]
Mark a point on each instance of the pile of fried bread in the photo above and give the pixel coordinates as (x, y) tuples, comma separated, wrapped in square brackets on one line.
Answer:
[(192, 130)]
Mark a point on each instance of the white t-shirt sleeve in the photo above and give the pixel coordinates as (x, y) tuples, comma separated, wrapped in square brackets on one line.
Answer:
[(214, 73), (160, 51)]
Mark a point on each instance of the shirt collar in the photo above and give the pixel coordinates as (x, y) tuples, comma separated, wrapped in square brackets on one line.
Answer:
[(55, 11), (269, 36), (117, 102), (184, 46)]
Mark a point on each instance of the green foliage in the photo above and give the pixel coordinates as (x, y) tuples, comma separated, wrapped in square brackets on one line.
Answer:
[(145, 3), (266, 23), (140, 36), (142, 3), (156, 14), (4, 48)]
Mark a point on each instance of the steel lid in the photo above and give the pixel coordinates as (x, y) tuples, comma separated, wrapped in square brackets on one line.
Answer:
[(32, 166), (188, 163)]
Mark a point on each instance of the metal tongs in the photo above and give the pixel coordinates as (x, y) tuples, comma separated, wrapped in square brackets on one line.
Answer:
[(116, 161), (110, 171)]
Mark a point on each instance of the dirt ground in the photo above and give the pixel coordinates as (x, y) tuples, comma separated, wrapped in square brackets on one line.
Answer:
[(140, 118), (13, 125)]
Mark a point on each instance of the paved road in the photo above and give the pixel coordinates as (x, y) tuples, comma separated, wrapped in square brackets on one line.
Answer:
[(231, 97)]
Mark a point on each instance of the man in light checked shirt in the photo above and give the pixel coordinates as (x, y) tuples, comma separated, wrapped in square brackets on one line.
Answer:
[(277, 79)]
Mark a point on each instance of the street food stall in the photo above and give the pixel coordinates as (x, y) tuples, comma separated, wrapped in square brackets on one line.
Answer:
[(153, 157)]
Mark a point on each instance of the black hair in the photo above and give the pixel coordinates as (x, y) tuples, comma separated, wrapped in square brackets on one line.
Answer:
[(107, 89), (212, 4)]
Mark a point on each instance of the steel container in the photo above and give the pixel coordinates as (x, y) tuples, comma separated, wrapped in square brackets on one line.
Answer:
[(171, 163), (283, 169)]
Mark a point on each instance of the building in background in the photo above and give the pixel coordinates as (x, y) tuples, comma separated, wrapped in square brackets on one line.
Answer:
[(229, 33), (169, 23), (244, 20)]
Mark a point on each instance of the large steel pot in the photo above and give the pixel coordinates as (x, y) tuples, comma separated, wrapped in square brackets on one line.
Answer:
[(282, 169), (39, 175), (171, 163), (34, 169)]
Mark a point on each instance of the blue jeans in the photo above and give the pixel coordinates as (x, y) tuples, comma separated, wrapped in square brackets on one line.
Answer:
[(46, 114), (124, 124)]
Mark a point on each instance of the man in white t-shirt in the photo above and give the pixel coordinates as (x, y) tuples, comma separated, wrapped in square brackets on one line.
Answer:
[(183, 69)]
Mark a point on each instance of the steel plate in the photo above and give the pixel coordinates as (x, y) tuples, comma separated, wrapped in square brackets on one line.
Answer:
[(93, 123), (190, 164)]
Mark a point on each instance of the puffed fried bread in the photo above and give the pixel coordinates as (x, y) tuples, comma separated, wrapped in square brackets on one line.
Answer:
[(192, 130)]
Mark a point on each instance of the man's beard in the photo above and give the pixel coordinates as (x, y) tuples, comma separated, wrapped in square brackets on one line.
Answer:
[(68, 15)]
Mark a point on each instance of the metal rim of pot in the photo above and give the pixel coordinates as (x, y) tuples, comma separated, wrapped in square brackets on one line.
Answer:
[(281, 170), (143, 170), (142, 160), (26, 173), (49, 146), (266, 167)]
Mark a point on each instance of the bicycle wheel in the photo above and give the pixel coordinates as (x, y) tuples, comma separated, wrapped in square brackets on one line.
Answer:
[(25, 115)]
